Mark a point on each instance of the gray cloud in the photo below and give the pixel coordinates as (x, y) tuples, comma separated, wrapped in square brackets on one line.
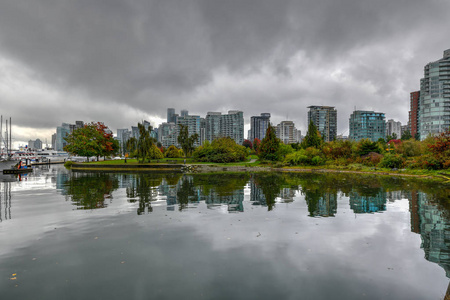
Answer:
[(121, 61)]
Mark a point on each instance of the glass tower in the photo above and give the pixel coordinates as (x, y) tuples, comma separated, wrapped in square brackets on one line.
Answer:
[(434, 114)]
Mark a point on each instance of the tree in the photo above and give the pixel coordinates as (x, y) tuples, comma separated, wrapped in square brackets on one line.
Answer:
[(406, 135), (94, 139), (172, 152), (187, 142), (131, 146), (144, 144), (312, 138), (221, 150), (247, 144), (256, 143), (269, 145)]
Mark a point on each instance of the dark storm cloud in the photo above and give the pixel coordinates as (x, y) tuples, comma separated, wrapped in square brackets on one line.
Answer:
[(272, 56)]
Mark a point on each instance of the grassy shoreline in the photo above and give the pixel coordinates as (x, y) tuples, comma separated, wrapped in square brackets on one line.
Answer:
[(256, 166)]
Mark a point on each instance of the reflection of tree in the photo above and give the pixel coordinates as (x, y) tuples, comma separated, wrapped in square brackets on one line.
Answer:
[(185, 192), (143, 188), (221, 184), (270, 185), (89, 191)]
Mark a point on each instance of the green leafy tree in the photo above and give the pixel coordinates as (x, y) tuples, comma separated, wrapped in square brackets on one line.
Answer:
[(144, 143), (155, 153), (417, 136), (172, 152), (131, 146), (406, 135), (187, 142), (221, 150), (94, 139), (270, 145), (312, 138)]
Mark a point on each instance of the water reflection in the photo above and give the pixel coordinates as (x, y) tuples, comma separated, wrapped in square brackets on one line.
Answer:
[(5, 201), (285, 195), (89, 191)]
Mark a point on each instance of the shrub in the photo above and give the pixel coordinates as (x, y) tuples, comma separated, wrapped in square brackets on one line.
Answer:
[(222, 150), (392, 161), (68, 164), (366, 146), (155, 153), (370, 159), (172, 152), (410, 148)]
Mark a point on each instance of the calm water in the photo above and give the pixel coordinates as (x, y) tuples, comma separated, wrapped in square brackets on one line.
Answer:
[(247, 236)]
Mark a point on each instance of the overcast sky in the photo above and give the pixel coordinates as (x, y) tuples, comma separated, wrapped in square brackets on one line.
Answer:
[(121, 61)]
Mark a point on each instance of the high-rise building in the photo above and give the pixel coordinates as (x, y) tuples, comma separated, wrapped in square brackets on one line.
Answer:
[(325, 120), (259, 125), (61, 132), (413, 119), (184, 112), (367, 125), (193, 125), (434, 103), (212, 125), (393, 127), (167, 134), (171, 115), (54, 141), (202, 130), (232, 125), (287, 132), (146, 124), (79, 124), (123, 135), (135, 132)]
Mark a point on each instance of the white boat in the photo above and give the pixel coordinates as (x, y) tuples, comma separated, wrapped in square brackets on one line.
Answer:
[(51, 156)]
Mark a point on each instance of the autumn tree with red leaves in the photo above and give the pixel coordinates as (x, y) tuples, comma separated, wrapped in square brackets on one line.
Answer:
[(94, 139)]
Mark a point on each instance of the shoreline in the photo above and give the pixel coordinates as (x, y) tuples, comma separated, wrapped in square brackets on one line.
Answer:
[(205, 168)]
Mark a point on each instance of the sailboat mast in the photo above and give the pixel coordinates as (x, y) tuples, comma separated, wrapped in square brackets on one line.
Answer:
[(1, 135), (10, 137), (6, 144)]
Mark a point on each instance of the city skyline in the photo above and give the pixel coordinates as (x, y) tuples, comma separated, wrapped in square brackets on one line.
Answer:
[(123, 63)]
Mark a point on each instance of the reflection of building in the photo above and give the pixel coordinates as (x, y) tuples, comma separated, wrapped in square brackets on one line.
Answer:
[(367, 204), (327, 205), (321, 204), (256, 194), (287, 195), (434, 230)]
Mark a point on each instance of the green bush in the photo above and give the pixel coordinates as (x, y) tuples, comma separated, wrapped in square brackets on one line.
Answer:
[(392, 161), (222, 150), (68, 164), (172, 152)]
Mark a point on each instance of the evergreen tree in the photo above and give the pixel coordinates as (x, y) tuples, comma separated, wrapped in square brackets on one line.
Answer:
[(312, 138), (406, 135), (269, 145)]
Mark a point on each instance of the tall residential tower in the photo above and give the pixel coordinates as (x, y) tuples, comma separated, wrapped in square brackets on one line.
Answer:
[(325, 120), (434, 112)]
